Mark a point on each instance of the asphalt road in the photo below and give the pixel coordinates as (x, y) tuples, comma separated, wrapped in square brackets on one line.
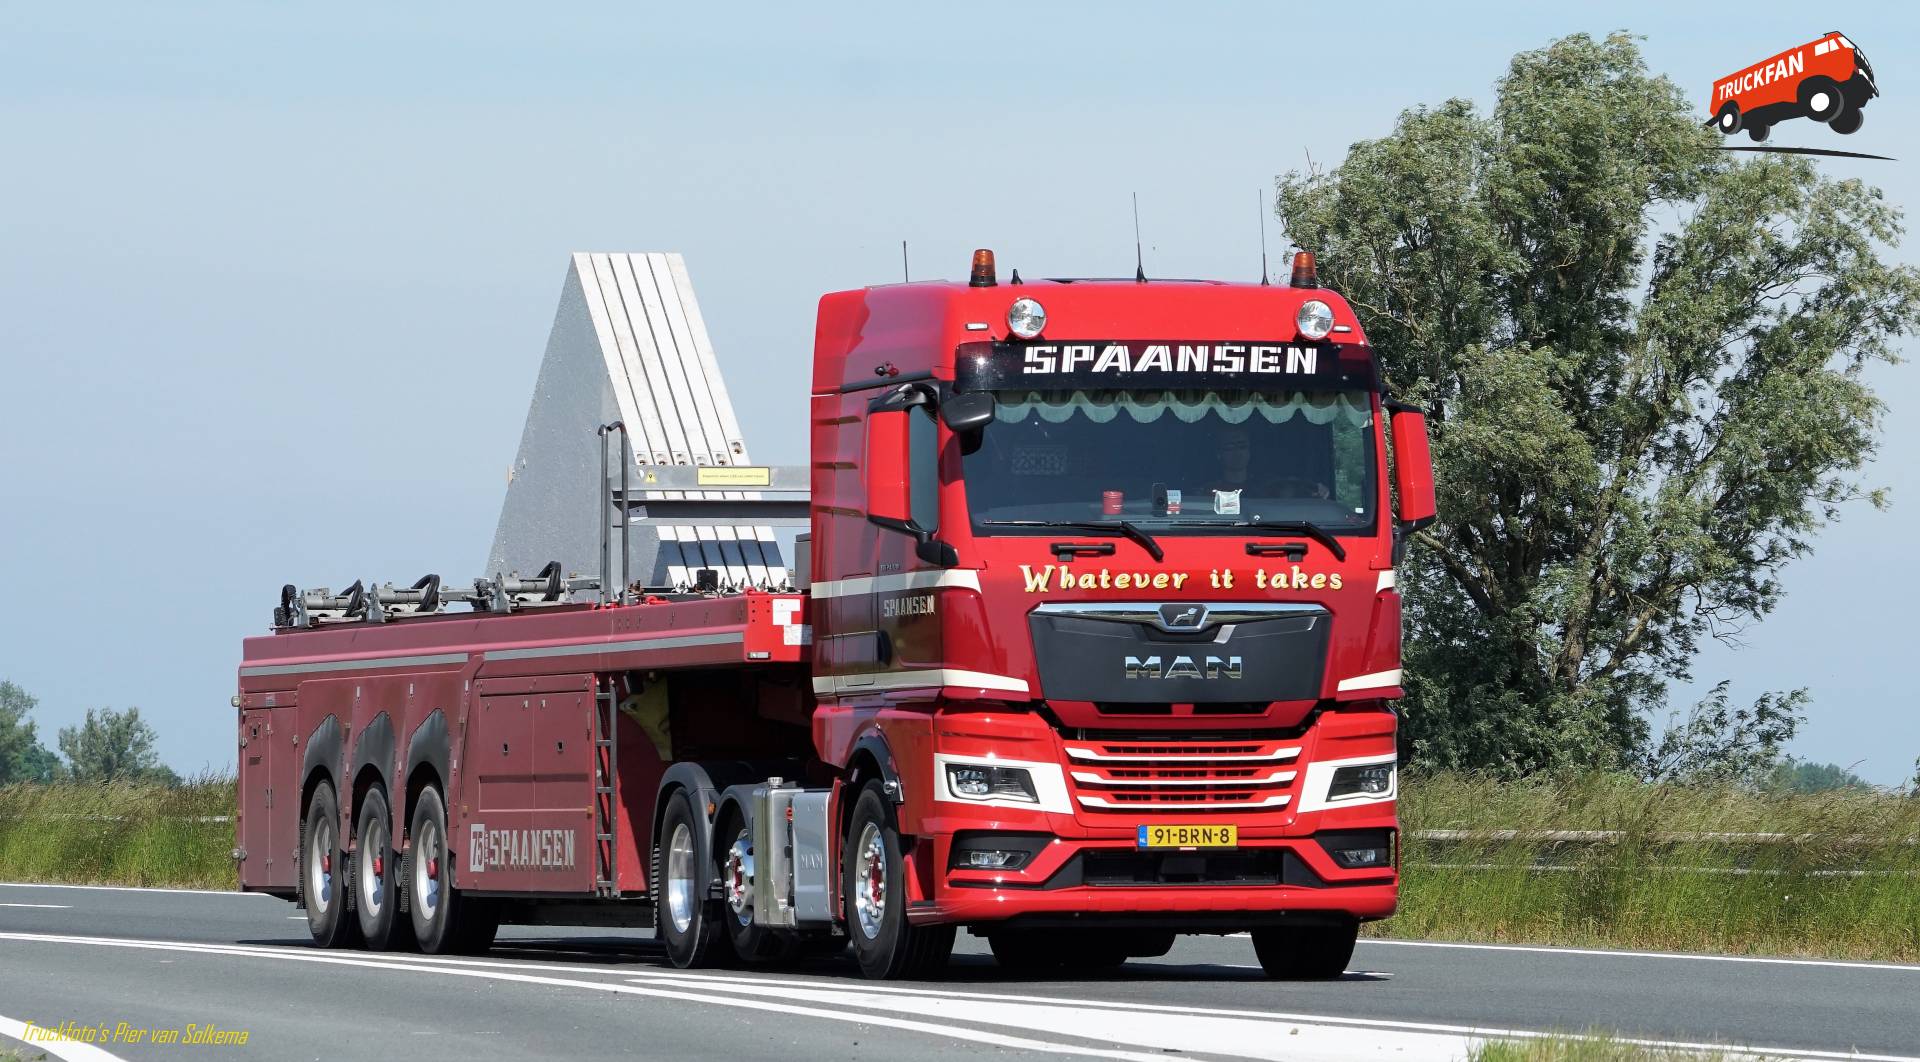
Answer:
[(157, 960)]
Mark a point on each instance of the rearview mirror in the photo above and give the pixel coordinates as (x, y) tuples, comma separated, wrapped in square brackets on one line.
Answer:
[(968, 412), (1413, 469), (889, 495)]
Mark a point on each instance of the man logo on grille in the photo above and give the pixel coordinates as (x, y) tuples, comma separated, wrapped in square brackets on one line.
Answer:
[(1181, 617)]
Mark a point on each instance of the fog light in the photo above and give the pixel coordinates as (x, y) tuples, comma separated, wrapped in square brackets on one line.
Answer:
[(1354, 858), (1366, 779), (992, 859)]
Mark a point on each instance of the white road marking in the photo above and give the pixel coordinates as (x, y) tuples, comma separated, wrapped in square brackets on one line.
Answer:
[(1767, 960), (123, 888), (51, 906), (1064, 1014), (71, 1050)]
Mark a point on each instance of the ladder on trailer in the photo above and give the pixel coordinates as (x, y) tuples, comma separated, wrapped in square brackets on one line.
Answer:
[(606, 789)]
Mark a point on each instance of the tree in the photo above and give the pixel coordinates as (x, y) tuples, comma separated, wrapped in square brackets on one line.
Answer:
[(1643, 360), (113, 747), (1801, 776), (22, 757)]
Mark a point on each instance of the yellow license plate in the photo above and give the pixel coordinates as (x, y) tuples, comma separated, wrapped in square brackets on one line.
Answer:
[(1187, 837)]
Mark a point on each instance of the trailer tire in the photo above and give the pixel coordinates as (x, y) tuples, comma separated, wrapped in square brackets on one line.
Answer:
[(433, 904), (375, 881), (733, 846), (324, 890), (873, 880), (1306, 953), (684, 919)]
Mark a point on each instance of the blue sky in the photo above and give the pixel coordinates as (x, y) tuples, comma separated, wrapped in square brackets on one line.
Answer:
[(274, 280)]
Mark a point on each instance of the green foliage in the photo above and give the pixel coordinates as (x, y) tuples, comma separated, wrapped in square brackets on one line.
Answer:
[(1644, 364), (1799, 776), (22, 757), (112, 746), (1588, 1047)]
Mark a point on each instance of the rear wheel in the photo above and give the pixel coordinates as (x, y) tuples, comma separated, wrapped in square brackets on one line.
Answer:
[(375, 877), (441, 920), (683, 918), (752, 943), (1757, 131), (874, 883), (1305, 953), (1847, 121), (1728, 120), (324, 890)]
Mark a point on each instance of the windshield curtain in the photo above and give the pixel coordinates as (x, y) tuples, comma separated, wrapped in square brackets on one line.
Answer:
[(1176, 461)]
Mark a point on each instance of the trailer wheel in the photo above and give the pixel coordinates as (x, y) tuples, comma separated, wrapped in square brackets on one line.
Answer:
[(751, 942), (375, 877), (434, 904), (1306, 953), (684, 919), (1822, 98), (1728, 120), (1847, 121), (323, 881), (874, 883)]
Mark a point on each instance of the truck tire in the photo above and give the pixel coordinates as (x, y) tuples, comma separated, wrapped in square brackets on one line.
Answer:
[(376, 877), (1822, 98), (1847, 121), (684, 919), (1757, 131), (873, 881), (1306, 953), (324, 890), (733, 843), (1728, 120), (433, 903)]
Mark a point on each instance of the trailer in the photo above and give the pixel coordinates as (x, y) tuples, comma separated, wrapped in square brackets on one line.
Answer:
[(1078, 630)]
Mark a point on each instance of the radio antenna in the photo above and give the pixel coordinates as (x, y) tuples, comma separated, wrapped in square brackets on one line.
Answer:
[(906, 277), (1260, 194), (1139, 260)]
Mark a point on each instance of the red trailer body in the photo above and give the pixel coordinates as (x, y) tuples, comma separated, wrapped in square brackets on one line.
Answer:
[(1099, 645)]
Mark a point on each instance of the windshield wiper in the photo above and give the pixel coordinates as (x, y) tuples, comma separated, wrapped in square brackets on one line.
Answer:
[(1305, 528), (1123, 527)]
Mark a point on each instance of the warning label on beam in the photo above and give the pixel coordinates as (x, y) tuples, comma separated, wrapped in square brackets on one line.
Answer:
[(735, 476)]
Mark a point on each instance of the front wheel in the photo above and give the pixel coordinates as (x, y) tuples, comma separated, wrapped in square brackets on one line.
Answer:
[(1822, 99), (1306, 953), (1757, 132), (874, 883), (1847, 121)]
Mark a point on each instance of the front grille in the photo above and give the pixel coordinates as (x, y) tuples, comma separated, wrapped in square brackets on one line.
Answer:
[(1183, 774)]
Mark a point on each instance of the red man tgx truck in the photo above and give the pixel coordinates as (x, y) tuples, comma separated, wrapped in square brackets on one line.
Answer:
[(1096, 642)]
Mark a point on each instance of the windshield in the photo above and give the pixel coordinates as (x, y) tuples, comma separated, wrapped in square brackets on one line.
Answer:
[(1175, 462)]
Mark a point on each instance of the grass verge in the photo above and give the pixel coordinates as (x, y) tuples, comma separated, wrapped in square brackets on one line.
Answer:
[(1838, 875), (1843, 883), (119, 834), (1593, 1047)]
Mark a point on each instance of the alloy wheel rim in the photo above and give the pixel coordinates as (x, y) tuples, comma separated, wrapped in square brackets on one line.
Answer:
[(426, 870), (739, 879), (373, 880), (870, 894), (680, 878), (320, 868)]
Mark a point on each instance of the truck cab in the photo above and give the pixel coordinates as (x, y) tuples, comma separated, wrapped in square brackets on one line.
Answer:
[(1104, 606)]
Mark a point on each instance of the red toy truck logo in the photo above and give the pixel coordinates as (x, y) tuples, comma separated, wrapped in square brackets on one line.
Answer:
[(1828, 80)]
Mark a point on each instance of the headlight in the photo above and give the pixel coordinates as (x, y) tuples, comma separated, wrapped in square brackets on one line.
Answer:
[(1315, 319), (981, 781), (1366, 779), (1027, 318)]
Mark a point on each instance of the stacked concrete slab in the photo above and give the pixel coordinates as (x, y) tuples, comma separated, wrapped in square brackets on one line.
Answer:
[(628, 344)]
